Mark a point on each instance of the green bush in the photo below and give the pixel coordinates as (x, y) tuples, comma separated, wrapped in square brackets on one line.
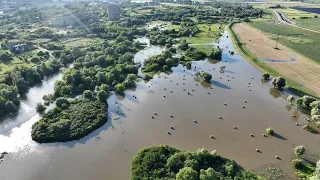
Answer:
[(265, 76), (40, 107), (299, 150), (290, 98), (297, 164), (270, 131)]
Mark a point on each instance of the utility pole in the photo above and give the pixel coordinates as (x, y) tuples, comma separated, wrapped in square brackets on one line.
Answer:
[(277, 38)]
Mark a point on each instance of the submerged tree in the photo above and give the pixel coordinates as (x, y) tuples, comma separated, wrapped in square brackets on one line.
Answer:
[(265, 76), (299, 150), (290, 98), (279, 82), (40, 107)]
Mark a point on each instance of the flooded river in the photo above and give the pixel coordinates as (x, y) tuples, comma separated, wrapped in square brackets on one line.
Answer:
[(109, 156)]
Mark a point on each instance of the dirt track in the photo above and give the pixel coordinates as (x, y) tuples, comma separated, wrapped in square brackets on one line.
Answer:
[(302, 70)]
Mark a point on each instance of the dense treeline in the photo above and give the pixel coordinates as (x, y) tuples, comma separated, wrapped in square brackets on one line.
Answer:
[(164, 162), (210, 13), (71, 120)]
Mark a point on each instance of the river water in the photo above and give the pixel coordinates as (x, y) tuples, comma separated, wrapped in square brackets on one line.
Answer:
[(110, 155)]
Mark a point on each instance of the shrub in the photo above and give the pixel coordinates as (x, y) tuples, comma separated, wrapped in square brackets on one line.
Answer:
[(310, 129), (290, 98), (297, 163), (61, 101), (206, 77), (315, 111), (279, 82), (299, 101), (88, 94), (40, 107), (307, 100), (119, 89), (299, 150), (315, 104), (266, 76), (270, 131), (316, 118)]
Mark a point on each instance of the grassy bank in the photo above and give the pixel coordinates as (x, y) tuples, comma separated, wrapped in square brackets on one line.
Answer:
[(291, 84)]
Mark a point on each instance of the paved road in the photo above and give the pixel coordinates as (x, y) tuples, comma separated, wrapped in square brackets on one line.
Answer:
[(284, 20)]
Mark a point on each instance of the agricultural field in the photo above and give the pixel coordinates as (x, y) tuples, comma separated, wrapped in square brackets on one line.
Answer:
[(283, 60), (301, 41)]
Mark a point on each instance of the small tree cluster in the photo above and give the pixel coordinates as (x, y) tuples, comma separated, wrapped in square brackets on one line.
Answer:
[(299, 150), (279, 82)]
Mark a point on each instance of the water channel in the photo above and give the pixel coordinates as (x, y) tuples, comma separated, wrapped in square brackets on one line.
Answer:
[(110, 155)]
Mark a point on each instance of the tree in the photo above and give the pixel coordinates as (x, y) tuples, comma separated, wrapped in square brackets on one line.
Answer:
[(206, 76), (265, 76), (290, 98), (270, 131), (61, 100), (215, 54), (22, 85), (120, 88), (307, 100), (316, 174), (297, 163), (187, 173), (209, 174), (40, 107), (299, 150), (279, 82), (102, 96), (88, 94)]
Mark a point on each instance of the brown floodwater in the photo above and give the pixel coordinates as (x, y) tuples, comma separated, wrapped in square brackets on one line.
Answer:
[(131, 126)]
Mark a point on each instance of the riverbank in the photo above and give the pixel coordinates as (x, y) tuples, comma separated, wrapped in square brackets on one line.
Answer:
[(273, 68)]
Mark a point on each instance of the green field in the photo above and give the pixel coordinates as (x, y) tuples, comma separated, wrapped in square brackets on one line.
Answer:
[(299, 40), (294, 15), (80, 42), (207, 34)]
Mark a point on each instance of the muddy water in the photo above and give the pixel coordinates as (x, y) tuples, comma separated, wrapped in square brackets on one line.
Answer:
[(109, 156)]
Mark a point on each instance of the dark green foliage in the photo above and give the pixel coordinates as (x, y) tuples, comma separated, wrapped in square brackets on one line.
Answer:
[(5, 57), (310, 129), (9, 100), (40, 107), (119, 89), (215, 54), (279, 82), (265, 76), (206, 77), (304, 170), (77, 120), (270, 131), (307, 100), (102, 96), (88, 94), (60, 101), (165, 162)]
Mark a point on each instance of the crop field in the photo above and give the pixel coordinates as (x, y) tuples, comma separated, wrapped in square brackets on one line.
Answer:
[(293, 66), (301, 41)]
